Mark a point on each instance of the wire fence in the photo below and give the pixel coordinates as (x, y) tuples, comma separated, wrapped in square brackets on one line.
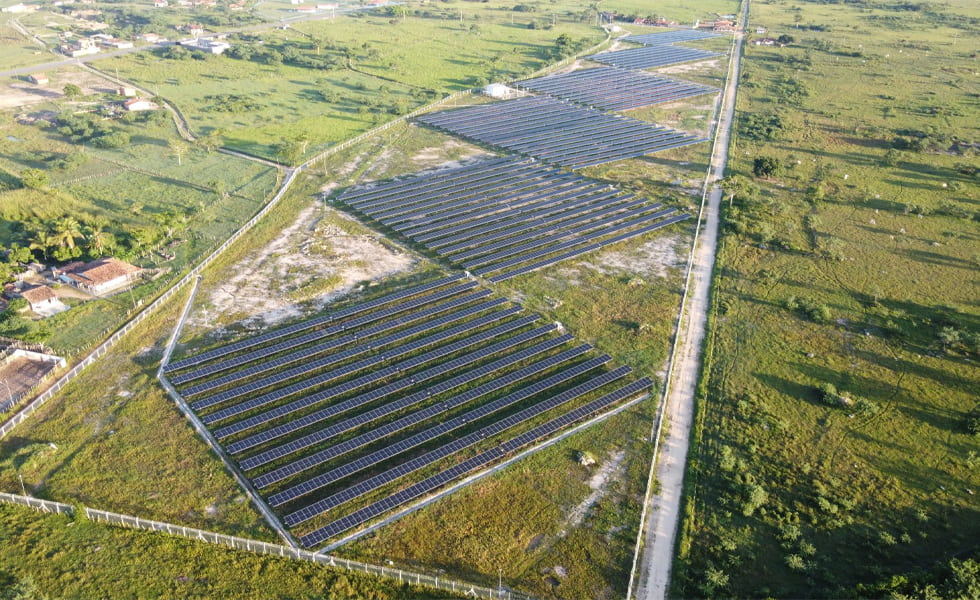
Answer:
[(265, 548)]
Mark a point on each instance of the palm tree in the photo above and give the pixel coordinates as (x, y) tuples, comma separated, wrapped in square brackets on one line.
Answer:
[(98, 237), (42, 241), (66, 230)]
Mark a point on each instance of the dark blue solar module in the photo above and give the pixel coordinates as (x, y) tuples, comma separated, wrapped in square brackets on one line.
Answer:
[(484, 458), (331, 317), (670, 37), (614, 89), (418, 416), (537, 126), (449, 449), (650, 57)]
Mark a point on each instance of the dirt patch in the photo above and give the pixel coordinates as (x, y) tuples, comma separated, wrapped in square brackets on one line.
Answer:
[(653, 259), (701, 65), (315, 259), (20, 93), (433, 157), (612, 466)]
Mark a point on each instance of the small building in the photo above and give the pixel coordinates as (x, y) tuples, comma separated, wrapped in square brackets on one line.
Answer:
[(126, 92), (100, 276), (20, 7), (760, 31), (160, 4), (330, 6), (152, 38), (82, 47), (138, 104), (117, 43), (38, 79), (209, 45), (43, 300), (764, 42), (305, 8), (498, 90)]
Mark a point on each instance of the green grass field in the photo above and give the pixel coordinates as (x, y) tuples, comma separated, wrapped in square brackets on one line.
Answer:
[(843, 268), (65, 557)]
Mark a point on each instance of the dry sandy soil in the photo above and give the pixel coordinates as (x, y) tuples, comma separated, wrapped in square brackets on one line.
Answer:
[(19, 92), (652, 259), (315, 258)]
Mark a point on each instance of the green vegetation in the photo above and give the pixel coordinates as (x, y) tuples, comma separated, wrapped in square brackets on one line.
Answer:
[(89, 187), (53, 556), (835, 446), (330, 80)]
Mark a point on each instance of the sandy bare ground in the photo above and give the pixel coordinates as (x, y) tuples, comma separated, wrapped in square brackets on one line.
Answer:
[(21, 93), (654, 258), (701, 65), (314, 259), (597, 483)]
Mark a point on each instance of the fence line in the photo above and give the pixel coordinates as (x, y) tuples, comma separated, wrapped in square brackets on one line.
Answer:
[(259, 547), (38, 504)]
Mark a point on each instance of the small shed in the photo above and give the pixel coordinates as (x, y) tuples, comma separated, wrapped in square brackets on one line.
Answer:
[(128, 92), (43, 300), (38, 78)]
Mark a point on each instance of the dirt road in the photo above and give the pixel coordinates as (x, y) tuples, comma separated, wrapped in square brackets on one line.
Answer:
[(665, 507)]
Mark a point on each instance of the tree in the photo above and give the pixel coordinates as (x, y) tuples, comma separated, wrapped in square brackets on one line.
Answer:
[(178, 148), (948, 336), (42, 241), (100, 240), (66, 231), (564, 45), (766, 166), (19, 254), (72, 91), (785, 39), (211, 141), (34, 178)]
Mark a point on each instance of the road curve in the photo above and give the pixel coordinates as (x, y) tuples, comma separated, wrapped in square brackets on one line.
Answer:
[(665, 506)]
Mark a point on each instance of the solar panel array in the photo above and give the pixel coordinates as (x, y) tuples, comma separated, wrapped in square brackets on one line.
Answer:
[(556, 132), (328, 415), (670, 37), (649, 57), (608, 88), (500, 219)]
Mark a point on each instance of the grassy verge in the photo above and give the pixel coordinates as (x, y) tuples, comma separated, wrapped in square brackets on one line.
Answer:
[(847, 267), (76, 558)]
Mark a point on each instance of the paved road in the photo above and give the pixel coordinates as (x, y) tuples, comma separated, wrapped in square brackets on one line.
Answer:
[(665, 507)]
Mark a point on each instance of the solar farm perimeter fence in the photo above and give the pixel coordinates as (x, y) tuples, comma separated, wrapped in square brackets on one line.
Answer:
[(257, 547)]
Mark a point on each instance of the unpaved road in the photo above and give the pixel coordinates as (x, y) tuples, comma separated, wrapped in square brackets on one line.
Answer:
[(661, 529)]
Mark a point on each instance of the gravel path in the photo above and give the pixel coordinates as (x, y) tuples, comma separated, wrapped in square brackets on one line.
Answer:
[(665, 507)]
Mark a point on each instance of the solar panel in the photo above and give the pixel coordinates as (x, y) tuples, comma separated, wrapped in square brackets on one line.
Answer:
[(266, 352), (416, 417), (480, 460), (582, 250), (449, 449), (370, 345), (374, 376), (310, 324)]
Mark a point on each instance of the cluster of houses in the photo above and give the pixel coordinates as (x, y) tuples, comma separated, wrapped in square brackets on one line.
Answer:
[(98, 278)]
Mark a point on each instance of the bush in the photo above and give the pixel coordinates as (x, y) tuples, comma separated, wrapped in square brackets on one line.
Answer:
[(34, 178)]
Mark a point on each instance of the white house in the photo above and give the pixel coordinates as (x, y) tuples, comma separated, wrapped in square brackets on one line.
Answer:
[(100, 276), (138, 104), (497, 90)]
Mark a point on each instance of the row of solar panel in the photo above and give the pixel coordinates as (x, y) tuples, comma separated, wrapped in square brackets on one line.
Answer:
[(459, 470), (614, 89), (265, 352), (275, 334), (396, 385), (670, 37), (584, 249), (392, 450), (649, 57), (557, 132), (380, 345), (419, 416), (311, 400), (372, 483)]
